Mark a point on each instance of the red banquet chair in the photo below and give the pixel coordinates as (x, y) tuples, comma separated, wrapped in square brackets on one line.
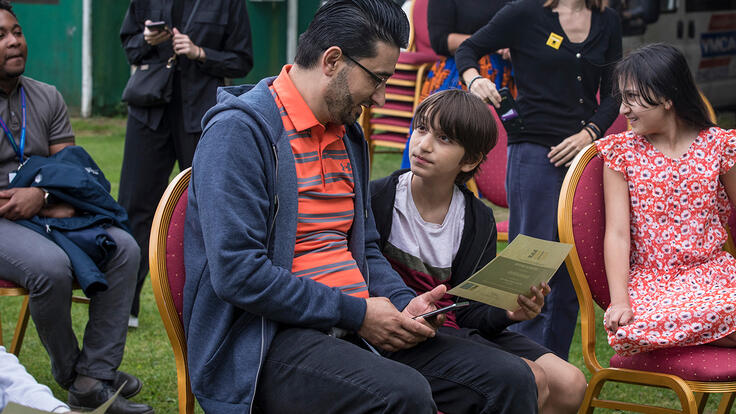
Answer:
[(389, 125), (166, 259), (491, 178), (691, 372)]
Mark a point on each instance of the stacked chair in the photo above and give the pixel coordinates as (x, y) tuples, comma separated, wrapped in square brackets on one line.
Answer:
[(389, 125)]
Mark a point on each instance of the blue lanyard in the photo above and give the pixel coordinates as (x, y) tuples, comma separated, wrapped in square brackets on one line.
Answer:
[(18, 148)]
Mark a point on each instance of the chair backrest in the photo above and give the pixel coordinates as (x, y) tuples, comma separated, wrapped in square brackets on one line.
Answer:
[(581, 222), (620, 124), (166, 256), (491, 177)]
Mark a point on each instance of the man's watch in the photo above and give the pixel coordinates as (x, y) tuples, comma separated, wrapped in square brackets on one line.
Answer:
[(46, 196)]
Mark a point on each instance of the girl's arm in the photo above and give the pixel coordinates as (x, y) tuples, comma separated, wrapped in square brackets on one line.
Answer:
[(729, 181), (616, 247)]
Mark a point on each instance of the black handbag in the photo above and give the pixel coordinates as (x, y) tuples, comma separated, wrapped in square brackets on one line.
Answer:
[(152, 84)]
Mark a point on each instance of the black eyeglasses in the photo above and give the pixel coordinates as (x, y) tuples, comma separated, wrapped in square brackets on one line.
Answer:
[(378, 80)]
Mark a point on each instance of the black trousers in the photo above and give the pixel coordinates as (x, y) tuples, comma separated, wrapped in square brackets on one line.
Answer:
[(148, 160), (308, 371)]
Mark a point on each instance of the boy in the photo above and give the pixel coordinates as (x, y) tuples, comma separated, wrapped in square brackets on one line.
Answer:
[(434, 231)]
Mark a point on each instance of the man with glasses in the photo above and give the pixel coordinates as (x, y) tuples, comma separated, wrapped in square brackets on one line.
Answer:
[(289, 306)]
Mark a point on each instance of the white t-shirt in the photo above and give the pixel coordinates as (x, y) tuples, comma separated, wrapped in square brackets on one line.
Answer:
[(434, 245)]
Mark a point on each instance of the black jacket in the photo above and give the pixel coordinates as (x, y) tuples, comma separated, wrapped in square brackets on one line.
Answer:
[(220, 27), (556, 81), (477, 248)]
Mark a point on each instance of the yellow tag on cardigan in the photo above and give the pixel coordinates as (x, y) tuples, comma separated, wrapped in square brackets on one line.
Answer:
[(554, 41)]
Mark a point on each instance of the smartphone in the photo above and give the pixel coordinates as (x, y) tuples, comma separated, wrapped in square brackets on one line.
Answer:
[(442, 310), (157, 26), (508, 113)]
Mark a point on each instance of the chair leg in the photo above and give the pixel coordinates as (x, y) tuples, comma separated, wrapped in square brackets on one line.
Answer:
[(726, 403), (20, 327), (701, 399)]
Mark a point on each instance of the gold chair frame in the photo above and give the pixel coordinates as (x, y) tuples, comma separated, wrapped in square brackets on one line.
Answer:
[(693, 395), (161, 287)]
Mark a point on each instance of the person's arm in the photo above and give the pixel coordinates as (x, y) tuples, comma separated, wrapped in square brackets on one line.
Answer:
[(131, 37), (26, 202), (441, 16), (499, 33), (18, 386), (233, 56), (616, 248), (608, 108)]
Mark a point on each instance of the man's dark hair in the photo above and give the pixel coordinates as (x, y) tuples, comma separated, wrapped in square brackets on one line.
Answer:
[(465, 119), (5, 5), (659, 72), (353, 25)]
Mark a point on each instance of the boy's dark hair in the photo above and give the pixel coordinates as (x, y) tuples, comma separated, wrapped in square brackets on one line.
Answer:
[(353, 25), (660, 72), (5, 5), (465, 119)]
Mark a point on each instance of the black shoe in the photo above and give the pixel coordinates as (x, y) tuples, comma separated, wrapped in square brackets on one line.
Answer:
[(132, 386), (98, 395)]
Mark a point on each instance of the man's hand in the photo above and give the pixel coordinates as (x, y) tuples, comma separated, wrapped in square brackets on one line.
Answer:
[(184, 46), (60, 210), (530, 307), (565, 151), (154, 37), (23, 203), (387, 328)]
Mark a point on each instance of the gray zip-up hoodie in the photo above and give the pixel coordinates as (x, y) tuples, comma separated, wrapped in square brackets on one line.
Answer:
[(239, 245)]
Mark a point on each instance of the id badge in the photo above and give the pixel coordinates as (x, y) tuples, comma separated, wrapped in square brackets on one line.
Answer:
[(11, 176)]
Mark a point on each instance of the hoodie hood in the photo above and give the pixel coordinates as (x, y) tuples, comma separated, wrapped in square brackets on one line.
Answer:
[(255, 101)]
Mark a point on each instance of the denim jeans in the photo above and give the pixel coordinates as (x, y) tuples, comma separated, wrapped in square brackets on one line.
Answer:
[(533, 189), (308, 371)]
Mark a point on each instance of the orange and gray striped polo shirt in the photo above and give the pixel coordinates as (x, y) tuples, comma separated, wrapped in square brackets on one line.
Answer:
[(326, 193)]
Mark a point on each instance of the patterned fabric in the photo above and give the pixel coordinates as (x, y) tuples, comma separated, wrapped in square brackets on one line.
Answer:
[(682, 285), (444, 75), (326, 194)]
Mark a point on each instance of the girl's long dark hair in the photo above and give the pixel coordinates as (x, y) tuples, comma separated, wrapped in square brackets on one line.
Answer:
[(659, 72)]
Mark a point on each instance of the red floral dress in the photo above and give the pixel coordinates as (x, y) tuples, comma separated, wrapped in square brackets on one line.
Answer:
[(682, 284)]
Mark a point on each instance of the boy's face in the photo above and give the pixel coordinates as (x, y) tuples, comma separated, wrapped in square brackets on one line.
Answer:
[(434, 156)]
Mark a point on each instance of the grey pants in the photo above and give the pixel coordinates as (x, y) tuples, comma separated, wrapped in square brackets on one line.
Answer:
[(38, 264)]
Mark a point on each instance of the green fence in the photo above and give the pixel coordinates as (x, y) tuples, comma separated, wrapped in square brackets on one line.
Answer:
[(53, 29)]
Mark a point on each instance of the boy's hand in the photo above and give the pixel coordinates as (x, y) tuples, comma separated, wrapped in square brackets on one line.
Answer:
[(426, 303), (530, 307)]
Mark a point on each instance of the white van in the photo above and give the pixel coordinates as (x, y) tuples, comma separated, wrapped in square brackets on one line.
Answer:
[(705, 30)]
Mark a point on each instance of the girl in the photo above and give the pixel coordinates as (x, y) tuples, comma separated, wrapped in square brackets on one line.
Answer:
[(667, 186)]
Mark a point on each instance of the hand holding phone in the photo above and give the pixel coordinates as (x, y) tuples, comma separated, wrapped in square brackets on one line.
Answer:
[(157, 26), (442, 310), (509, 114)]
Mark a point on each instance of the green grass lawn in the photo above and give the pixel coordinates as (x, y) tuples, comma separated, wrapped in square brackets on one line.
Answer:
[(148, 353)]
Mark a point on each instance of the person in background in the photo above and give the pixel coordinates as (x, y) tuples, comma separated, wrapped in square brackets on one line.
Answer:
[(34, 120), (211, 41), (289, 306), (450, 22), (434, 231), (564, 52), (668, 185)]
